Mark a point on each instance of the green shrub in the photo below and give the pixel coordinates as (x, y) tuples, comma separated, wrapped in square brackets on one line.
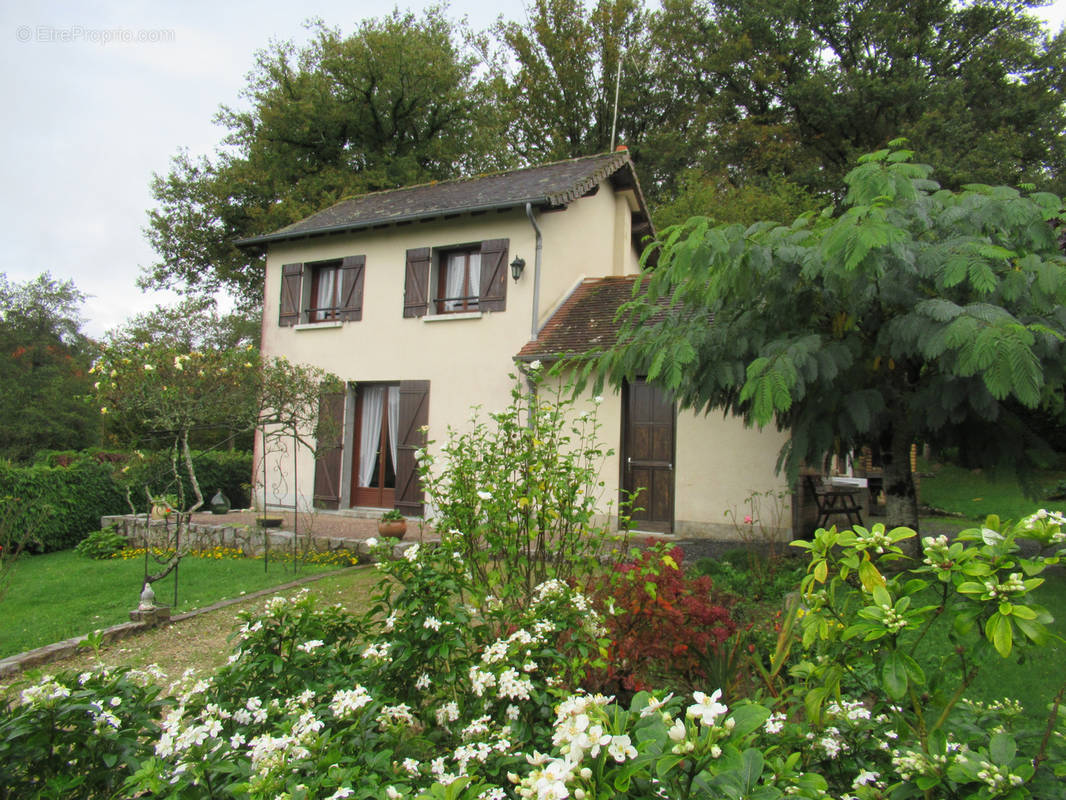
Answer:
[(74, 498), (72, 735), (215, 469), (102, 544)]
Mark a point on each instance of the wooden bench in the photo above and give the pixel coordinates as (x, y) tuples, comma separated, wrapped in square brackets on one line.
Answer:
[(833, 501)]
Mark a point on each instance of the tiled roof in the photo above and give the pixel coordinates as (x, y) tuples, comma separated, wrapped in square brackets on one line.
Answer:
[(585, 321), (556, 184)]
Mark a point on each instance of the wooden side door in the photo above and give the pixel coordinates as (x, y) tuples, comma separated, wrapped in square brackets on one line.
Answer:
[(648, 446)]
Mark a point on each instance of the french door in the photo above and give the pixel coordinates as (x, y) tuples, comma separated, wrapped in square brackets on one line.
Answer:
[(377, 415)]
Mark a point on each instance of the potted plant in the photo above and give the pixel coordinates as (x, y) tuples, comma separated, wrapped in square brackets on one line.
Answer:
[(392, 524)]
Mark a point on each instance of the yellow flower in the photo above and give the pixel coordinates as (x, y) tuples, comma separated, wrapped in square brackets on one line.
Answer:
[(103, 410)]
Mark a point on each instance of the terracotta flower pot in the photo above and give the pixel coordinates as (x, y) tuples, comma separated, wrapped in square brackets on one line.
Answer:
[(394, 529)]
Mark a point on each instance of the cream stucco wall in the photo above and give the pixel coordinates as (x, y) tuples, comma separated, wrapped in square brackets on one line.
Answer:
[(466, 360), (718, 463)]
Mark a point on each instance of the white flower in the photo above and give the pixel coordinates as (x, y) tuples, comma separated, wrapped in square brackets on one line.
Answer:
[(774, 723), (534, 364), (707, 709), (372, 542), (148, 368), (310, 645), (341, 793), (597, 399), (677, 731), (432, 623), (864, 778), (391, 793), (484, 495), (423, 682), (621, 748), (346, 702), (411, 553), (654, 705)]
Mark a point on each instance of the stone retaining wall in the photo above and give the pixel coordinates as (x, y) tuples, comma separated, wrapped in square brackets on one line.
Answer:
[(248, 539)]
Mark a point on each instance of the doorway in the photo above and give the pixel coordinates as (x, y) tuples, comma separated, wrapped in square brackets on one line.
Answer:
[(648, 444), (373, 468)]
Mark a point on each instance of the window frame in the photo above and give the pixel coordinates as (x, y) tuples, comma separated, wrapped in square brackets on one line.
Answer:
[(470, 301), (318, 269)]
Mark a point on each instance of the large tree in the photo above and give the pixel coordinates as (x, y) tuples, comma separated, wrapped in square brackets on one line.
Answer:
[(400, 101), (798, 90), (44, 363), (916, 314)]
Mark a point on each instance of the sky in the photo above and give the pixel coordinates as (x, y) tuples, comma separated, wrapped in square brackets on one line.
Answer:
[(100, 98)]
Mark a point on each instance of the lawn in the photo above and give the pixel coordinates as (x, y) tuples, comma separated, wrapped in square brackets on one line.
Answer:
[(976, 494), (59, 595)]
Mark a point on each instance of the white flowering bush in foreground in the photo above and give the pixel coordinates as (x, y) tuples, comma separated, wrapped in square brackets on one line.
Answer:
[(426, 697)]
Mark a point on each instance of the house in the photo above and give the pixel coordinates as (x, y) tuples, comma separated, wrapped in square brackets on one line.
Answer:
[(423, 299)]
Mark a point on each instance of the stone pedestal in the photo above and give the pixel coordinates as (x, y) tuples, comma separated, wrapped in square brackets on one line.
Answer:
[(159, 615)]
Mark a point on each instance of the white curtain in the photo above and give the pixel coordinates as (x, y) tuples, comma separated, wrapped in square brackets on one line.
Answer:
[(370, 431), (394, 421), (453, 284), (327, 279), (462, 280)]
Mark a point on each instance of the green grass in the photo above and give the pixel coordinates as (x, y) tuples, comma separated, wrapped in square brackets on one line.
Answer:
[(977, 494), (59, 595)]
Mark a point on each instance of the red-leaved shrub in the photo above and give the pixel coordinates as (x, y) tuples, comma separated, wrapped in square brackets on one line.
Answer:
[(662, 624)]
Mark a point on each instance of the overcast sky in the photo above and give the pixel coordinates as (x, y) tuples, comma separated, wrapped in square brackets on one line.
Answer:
[(97, 99)]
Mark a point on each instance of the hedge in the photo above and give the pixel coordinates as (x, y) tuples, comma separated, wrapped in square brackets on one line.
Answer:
[(59, 504), (77, 488), (230, 471)]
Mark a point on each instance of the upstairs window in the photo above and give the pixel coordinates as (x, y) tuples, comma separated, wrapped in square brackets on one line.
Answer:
[(322, 291), (458, 281), (325, 295)]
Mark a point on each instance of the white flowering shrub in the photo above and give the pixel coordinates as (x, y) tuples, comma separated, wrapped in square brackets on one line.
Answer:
[(429, 697), (78, 734)]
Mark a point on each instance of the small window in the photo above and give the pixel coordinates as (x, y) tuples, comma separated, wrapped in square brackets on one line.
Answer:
[(325, 300), (458, 281)]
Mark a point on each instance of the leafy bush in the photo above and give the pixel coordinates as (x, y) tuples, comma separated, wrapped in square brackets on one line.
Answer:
[(751, 576), (230, 471), (78, 735), (421, 699), (104, 543), (523, 488), (662, 625), (76, 497)]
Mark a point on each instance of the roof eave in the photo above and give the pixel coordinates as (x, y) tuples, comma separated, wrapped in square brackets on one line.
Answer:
[(349, 227)]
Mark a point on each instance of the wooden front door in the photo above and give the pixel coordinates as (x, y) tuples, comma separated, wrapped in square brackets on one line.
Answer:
[(373, 469), (648, 436)]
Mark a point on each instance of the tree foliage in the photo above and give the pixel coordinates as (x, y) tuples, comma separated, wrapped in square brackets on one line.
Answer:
[(193, 323), (44, 360), (913, 314), (745, 109), (397, 102)]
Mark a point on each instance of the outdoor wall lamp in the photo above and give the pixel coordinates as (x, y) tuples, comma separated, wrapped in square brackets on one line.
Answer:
[(517, 266)]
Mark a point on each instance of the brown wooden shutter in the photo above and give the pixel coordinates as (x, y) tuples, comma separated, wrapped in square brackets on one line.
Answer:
[(289, 313), (416, 283), (329, 454), (493, 295), (414, 414), (352, 269)]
